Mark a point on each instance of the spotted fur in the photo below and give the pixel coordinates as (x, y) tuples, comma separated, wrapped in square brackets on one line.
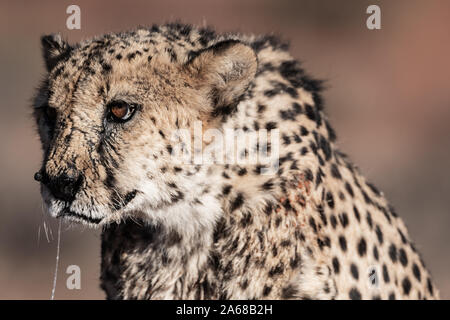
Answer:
[(315, 229)]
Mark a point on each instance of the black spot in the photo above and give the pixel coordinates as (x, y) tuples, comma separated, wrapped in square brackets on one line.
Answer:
[(286, 140), (268, 185), (343, 218), (319, 176), (343, 243), (430, 286), (309, 175), (310, 113), (285, 243), (375, 253), (330, 200), (278, 269), (207, 35), (287, 115), (349, 189), (271, 125), (386, 277), (106, 67), (333, 221), (246, 219), (173, 238), (367, 199), (336, 265), (237, 202), (154, 28), (261, 108), (303, 131), (244, 284), (354, 294), (172, 54), (356, 213), (323, 217), (369, 220), (393, 253), (242, 172), (392, 211), (131, 56), (416, 271), (266, 290), (385, 212), (326, 148), (268, 209), (354, 271), (287, 205), (335, 171), (297, 138), (331, 132), (312, 223), (402, 236), (362, 247), (374, 189), (296, 108), (288, 292), (379, 234), (406, 285), (403, 257), (185, 30), (392, 296), (278, 221), (177, 196)]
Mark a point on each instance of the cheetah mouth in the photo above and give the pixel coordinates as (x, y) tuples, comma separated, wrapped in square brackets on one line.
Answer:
[(93, 216), (77, 217)]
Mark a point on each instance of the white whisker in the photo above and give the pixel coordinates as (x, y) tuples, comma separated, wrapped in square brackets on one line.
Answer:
[(58, 246)]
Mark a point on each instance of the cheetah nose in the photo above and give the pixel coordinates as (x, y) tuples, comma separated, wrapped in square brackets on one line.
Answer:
[(63, 187), (38, 176)]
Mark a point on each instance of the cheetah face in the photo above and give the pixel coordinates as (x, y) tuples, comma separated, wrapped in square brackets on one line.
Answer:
[(106, 113)]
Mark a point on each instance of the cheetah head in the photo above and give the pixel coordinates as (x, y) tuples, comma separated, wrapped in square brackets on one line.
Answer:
[(106, 112)]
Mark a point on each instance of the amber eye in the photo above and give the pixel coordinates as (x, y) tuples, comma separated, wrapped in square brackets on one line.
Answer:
[(120, 111)]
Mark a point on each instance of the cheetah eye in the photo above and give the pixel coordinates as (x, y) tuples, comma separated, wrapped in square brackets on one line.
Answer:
[(120, 111)]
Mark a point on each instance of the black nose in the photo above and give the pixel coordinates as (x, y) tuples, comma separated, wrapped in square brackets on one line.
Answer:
[(63, 187)]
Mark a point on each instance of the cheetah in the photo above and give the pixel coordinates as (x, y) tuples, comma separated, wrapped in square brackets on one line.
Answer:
[(310, 228)]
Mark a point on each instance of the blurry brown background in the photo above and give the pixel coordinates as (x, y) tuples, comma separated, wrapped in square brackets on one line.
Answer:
[(388, 97)]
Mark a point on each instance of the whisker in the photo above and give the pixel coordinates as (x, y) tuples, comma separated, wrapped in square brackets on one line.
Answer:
[(58, 246)]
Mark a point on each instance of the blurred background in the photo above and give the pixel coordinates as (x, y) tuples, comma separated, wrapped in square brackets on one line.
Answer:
[(388, 96)]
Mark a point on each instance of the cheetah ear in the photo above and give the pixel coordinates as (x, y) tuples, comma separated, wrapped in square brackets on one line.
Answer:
[(224, 72), (54, 49)]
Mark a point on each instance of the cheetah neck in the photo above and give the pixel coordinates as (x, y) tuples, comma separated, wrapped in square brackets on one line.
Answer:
[(249, 253), (151, 262)]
